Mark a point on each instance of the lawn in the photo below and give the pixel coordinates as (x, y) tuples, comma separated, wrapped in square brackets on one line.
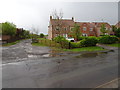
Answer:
[(114, 45), (38, 44), (12, 43), (93, 48)]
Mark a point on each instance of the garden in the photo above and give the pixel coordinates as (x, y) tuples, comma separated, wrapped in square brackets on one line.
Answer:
[(84, 44)]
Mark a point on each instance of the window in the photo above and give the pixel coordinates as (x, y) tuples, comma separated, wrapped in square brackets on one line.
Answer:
[(71, 28), (57, 28), (106, 33), (65, 35), (110, 29), (65, 28), (84, 28), (84, 34), (56, 35), (106, 28), (91, 29)]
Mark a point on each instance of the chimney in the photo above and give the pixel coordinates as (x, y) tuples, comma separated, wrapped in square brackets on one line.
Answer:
[(50, 17), (73, 18)]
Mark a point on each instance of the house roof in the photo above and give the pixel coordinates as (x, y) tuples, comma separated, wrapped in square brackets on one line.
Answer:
[(70, 22), (118, 24), (88, 23), (98, 24), (64, 22)]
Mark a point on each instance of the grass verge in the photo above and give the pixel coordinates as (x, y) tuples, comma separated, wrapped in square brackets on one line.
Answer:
[(114, 45), (93, 48), (12, 43), (38, 44)]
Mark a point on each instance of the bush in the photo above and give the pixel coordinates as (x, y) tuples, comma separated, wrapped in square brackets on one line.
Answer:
[(62, 41), (108, 39), (58, 39), (74, 44), (82, 37), (89, 41)]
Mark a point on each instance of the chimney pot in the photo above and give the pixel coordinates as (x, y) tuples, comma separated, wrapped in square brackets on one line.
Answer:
[(73, 18), (50, 17)]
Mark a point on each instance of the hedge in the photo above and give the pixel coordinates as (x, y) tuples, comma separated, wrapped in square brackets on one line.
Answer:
[(89, 41), (108, 39)]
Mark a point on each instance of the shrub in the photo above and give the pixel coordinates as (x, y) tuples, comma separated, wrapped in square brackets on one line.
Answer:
[(89, 41), (74, 44), (108, 39), (65, 43), (58, 39), (82, 37), (62, 41)]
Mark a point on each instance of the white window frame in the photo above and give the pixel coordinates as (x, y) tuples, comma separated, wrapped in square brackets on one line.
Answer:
[(106, 28), (110, 29), (71, 28), (65, 28), (84, 34), (106, 34), (57, 28), (84, 28), (91, 29), (65, 35), (56, 35)]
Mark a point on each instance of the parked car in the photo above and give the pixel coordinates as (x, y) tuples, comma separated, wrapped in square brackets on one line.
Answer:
[(70, 39)]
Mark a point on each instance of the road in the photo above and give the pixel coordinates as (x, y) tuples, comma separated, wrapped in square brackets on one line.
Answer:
[(27, 66)]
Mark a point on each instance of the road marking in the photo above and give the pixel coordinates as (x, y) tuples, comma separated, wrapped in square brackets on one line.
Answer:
[(106, 83)]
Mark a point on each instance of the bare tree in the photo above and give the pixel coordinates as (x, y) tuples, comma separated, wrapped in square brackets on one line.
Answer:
[(58, 16), (35, 32)]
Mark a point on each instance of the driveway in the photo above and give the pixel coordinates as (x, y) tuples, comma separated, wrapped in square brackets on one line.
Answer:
[(27, 66)]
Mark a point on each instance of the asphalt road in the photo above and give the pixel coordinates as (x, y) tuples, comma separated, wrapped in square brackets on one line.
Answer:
[(27, 66)]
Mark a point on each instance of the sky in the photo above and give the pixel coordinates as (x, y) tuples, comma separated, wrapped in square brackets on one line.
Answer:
[(30, 14)]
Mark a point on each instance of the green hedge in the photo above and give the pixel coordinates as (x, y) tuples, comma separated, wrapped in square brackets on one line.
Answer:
[(74, 44), (89, 41), (82, 37), (108, 39)]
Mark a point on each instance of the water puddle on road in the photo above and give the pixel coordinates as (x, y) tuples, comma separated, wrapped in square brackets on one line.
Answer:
[(90, 55), (51, 53), (57, 53)]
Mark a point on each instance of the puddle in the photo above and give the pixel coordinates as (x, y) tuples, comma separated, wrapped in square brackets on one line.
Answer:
[(32, 56), (46, 55), (87, 55), (90, 55)]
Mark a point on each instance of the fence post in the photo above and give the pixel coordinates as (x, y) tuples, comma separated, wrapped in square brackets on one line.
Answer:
[(69, 45)]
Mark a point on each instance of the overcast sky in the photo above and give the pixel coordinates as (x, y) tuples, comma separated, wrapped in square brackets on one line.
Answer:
[(35, 13)]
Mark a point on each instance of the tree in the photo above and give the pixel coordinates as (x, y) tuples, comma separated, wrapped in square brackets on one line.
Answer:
[(41, 35), (58, 20), (76, 32), (117, 32), (8, 29), (35, 32), (114, 28), (103, 29), (0, 28), (25, 34)]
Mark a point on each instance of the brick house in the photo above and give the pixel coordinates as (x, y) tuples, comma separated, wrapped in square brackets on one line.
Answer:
[(118, 25), (86, 28)]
